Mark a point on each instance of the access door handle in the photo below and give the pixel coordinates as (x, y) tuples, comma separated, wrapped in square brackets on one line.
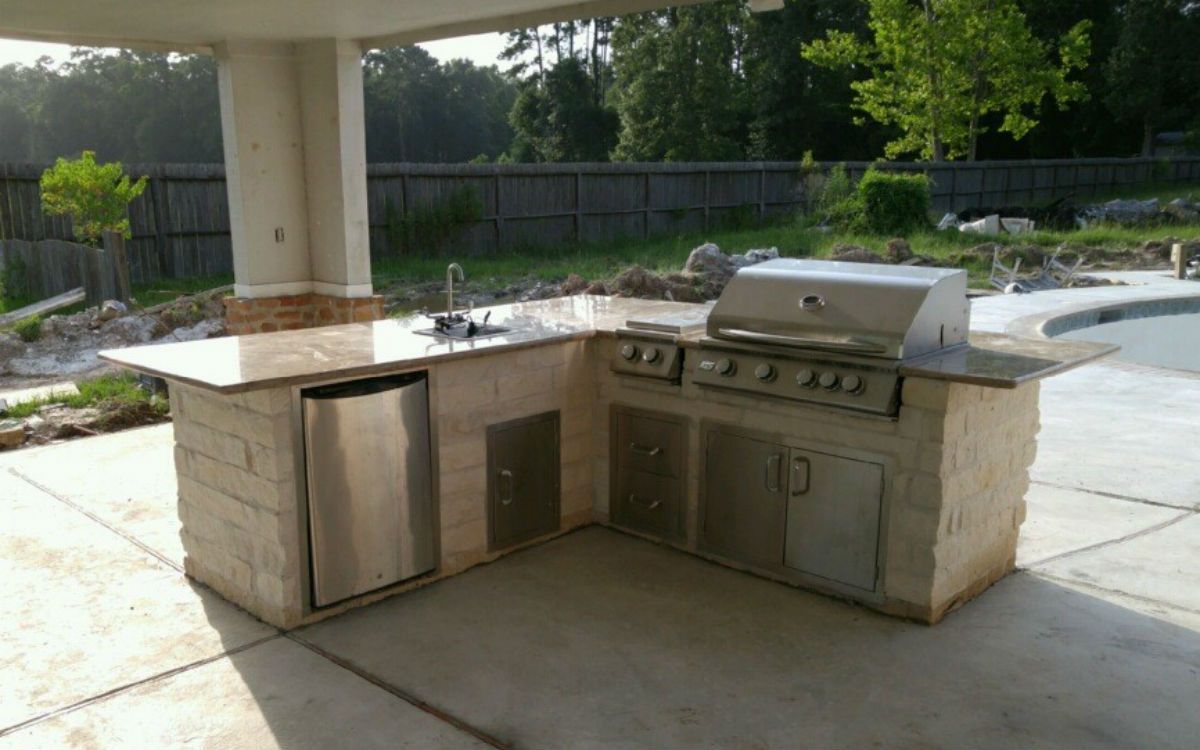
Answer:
[(800, 472), (647, 504), (645, 450), (772, 467), (504, 487)]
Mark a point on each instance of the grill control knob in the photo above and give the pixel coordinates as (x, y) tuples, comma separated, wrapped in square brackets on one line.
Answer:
[(629, 352), (829, 380), (651, 355), (726, 367), (853, 385), (765, 373), (806, 378)]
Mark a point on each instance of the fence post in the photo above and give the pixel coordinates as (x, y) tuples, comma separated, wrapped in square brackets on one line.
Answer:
[(646, 210), (114, 246), (499, 220), (762, 195), (166, 260), (578, 215), (707, 197)]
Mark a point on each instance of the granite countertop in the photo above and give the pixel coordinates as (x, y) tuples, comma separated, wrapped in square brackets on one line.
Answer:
[(998, 360), (236, 364)]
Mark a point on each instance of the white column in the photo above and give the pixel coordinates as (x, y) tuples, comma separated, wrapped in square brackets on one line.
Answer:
[(295, 162), (335, 164)]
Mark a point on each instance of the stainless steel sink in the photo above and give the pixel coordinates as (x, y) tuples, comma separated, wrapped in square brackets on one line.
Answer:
[(463, 332)]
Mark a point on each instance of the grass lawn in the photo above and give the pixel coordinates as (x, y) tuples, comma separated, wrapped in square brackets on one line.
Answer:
[(166, 290), (794, 239), (111, 393)]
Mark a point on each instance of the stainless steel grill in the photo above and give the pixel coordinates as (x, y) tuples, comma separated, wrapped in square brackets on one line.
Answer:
[(829, 332)]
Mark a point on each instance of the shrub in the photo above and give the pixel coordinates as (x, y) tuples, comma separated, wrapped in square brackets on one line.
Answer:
[(835, 200), (29, 329), (96, 196), (893, 203), (13, 279), (427, 230)]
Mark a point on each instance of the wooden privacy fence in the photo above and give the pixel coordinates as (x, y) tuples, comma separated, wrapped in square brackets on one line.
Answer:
[(46, 268), (181, 223)]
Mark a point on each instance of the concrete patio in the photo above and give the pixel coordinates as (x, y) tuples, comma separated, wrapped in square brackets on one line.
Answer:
[(601, 640)]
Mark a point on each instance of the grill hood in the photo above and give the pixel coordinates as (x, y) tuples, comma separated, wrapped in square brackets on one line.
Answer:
[(873, 310)]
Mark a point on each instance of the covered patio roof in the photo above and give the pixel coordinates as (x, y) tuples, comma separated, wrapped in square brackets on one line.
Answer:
[(189, 26)]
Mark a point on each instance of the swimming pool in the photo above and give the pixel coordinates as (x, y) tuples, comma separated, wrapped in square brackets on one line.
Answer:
[(1162, 333)]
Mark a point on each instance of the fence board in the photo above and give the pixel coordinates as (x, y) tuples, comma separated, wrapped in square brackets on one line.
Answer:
[(180, 224)]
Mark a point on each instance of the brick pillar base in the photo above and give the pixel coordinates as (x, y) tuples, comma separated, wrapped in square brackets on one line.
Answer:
[(266, 314)]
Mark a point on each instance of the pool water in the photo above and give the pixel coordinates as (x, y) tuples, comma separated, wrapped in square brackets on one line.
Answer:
[(1163, 340)]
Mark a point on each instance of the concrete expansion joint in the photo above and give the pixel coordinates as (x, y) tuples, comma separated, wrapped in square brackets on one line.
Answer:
[(121, 689), (1188, 513), (1116, 496), (67, 502), (1076, 583), (408, 698)]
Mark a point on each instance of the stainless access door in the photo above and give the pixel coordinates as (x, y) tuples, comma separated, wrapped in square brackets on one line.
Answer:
[(833, 517), (745, 492), (370, 497)]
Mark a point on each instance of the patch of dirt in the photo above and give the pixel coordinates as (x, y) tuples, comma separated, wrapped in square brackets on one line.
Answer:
[(69, 344)]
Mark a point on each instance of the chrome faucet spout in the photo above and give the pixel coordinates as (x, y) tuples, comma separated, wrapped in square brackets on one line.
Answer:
[(450, 271)]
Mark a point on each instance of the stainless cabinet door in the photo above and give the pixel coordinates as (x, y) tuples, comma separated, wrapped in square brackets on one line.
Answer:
[(833, 517), (523, 487), (745, 485), (370, 507)]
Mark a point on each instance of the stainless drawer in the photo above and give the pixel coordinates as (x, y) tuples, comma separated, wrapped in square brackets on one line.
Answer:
[(651, 445), (648, 502)]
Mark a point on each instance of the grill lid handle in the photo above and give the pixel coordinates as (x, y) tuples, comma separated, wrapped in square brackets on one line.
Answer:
[(831, 345), (812, 302)]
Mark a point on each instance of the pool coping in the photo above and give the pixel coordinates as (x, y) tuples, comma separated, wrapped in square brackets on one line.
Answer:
[(1046, 325)]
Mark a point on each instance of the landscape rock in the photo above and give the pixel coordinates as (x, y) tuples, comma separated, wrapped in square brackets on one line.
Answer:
[(853, 254), (11, 347), (637, 282), (573, 285), (1181, 211), (111, 309), (12, 433), (205, 329), (597, 287), (897, 250), (708, 260), (753, 257)]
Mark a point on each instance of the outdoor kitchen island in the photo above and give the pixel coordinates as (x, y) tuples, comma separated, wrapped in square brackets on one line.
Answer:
[(910, 511)]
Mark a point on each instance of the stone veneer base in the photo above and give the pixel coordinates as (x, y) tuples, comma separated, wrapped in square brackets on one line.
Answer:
[(957, 471), (267, 314)]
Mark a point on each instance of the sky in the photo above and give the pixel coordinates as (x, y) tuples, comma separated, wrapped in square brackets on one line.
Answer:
[(483, 49)]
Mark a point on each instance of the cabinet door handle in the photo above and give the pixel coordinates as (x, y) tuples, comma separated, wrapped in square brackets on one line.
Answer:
[(504, 487), (645, 450), (647, 504), (800, 472), (772, 478)]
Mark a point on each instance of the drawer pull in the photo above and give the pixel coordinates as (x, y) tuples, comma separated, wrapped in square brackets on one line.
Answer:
[(645, 450), (647, 504)]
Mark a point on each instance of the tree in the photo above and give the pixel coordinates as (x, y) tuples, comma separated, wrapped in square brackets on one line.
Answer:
[(1153, 71), (680, 84), (96, 196), (941, 68), (417, 109), (561, 112)]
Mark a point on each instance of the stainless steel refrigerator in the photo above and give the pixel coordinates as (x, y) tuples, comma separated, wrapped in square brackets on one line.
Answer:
[(370, 484)]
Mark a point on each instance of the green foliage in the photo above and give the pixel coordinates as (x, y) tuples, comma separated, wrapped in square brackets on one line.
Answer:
[(1152, 74), (561, 117), (428, 230), (833, 199), (29, 329), (95, 196), (14, 282), (892, 202), (680, 89), (105, 392), (941, 68)]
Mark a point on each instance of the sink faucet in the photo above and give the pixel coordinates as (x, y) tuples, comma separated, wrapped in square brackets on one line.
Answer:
[(450, 269)]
